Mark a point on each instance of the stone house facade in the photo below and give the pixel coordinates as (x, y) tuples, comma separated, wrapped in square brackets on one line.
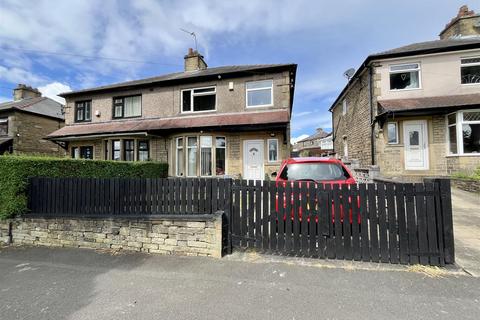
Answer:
[(27, 120), (223, 121), (318, 144), (414, 111)]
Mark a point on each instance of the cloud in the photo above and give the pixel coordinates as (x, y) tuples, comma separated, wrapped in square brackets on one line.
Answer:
[(52, 89), (300, 137), (18, 75), (5, 99)]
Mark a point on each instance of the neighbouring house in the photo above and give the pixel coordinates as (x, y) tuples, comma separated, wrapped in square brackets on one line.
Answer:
[(27, 120), (318, 144), (230, 120), (414, 111)]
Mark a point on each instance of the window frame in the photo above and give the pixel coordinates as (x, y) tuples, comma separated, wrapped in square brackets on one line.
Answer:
[(459, 132), (397, 140), (419, 69), (138, 142), (212, 153), (114, 150), (130, 150), (187, 147), (84, 109), (344, 106), (114, 117), (257, 89), (177, 148), (268, 150), (5, 121), (214, 148), (192, 95), (468, 65)]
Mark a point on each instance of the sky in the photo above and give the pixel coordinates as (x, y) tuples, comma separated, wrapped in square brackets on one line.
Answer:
[(58, 46)]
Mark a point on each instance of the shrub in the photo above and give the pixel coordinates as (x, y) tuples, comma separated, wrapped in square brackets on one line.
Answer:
[(15, 171)]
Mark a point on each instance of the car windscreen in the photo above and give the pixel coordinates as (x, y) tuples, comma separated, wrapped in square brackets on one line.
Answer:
[(314, 171)]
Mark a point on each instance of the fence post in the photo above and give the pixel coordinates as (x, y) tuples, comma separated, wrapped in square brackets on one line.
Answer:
[(228, 214), (446, 205)]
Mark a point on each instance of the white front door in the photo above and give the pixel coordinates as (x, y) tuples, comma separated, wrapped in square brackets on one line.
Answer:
[(416, 145), (253, 159)]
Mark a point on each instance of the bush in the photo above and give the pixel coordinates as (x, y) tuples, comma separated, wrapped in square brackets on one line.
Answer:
[(15, 171), (475, 175)]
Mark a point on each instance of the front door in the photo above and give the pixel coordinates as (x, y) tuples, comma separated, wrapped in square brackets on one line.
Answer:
[(416, 145), (253, 159)]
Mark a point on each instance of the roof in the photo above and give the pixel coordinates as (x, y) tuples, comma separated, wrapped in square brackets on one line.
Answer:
[(40, 105), (189, 76), (428, 47), (185, 122), (319, 134), (453, 101)]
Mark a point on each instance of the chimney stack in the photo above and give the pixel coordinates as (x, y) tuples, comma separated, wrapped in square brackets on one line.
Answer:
[(465, 24), (23, 91), (194, 61)]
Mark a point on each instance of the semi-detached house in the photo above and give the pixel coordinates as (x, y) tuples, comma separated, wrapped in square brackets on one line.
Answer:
[(414, 111), (230, 120)]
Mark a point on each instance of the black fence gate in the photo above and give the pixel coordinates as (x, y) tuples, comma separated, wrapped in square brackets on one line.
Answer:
[(393, 223)]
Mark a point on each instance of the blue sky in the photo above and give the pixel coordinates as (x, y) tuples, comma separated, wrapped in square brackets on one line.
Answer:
[(323, 37)]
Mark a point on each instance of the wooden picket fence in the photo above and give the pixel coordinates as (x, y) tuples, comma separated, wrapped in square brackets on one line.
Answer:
[(395, 223)]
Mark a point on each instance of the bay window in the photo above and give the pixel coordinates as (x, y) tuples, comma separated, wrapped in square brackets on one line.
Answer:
[(143, 150), (192, 156), (198, 100), (128, 150), (470, 70), (220, 148), (127, 107), (180, 158), (259, 93), (83, 152), (405, 76), (464, 132), (205, 156), (116, 149)]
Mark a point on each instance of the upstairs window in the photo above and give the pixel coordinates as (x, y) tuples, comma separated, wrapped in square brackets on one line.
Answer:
[(405, 76), (3, 127), (83, 111), (470, 70), (260, 93), (392, 133), (127, 107), (198, 100)]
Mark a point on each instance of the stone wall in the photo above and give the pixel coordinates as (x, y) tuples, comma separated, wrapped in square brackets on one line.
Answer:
[(188, 235), (470, 185)]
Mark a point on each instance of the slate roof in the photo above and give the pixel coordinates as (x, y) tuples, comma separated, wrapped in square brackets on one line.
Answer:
[(188, 75), (142, 125), (319, 134), (453, 101), (41, 105)]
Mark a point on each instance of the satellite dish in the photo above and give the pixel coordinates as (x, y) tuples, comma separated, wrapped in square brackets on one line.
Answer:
[(349, 73)]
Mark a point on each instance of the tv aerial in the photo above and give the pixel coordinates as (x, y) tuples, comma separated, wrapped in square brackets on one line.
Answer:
[(193, 35), (349, 73)]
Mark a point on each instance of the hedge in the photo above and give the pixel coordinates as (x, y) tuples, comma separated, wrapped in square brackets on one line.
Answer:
[(15, 171)]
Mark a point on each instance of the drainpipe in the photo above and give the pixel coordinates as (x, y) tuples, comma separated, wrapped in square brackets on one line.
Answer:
[(372, 124)]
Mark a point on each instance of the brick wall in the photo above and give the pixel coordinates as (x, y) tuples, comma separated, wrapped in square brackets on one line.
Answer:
[(185, 236)]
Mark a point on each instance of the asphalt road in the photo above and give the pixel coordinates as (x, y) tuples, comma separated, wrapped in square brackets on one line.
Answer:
[(42, 283)]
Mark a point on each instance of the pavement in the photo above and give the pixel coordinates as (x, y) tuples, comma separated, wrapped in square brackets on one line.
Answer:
[(44, 283), (466, 229)]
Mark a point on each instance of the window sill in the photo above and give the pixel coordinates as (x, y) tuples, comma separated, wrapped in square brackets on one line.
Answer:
[(195, 112), (401, 90), (259, 106), (463, 155), (123, 118)]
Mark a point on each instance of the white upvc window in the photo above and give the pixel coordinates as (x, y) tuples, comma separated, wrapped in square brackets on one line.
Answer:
[(392, 132), (470, 70), (272, 150), (180, 155), (463, 132), (405, 76), (199, 99), (259, 93), (344, 107), (192, 147), (205, 156)]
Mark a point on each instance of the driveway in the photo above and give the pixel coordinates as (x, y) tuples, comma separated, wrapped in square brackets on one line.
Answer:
[(466, 228), (42, 283)]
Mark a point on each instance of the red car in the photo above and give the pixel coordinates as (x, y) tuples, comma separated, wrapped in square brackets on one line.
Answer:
[(327, 171)]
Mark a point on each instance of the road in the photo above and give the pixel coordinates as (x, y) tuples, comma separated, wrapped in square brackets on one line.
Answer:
[(44, 283)]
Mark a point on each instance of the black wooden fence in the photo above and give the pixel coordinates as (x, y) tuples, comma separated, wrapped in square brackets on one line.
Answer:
[(396, 223)]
